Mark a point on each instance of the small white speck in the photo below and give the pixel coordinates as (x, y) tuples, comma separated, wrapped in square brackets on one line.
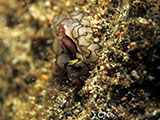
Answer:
[(76, 8)]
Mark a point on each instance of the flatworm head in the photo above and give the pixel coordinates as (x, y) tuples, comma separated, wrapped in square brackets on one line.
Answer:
[(72, 45)]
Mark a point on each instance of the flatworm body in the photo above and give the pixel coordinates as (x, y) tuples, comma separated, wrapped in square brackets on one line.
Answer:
[(73, 46)]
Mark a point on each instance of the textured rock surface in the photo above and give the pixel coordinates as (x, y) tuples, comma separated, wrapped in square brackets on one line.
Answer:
[(125, 81)]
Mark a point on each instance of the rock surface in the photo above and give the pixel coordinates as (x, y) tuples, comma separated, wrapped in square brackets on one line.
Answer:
[(124, 85)]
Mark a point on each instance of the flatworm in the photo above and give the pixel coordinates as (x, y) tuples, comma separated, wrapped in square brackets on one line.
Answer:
[(75, 50)]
